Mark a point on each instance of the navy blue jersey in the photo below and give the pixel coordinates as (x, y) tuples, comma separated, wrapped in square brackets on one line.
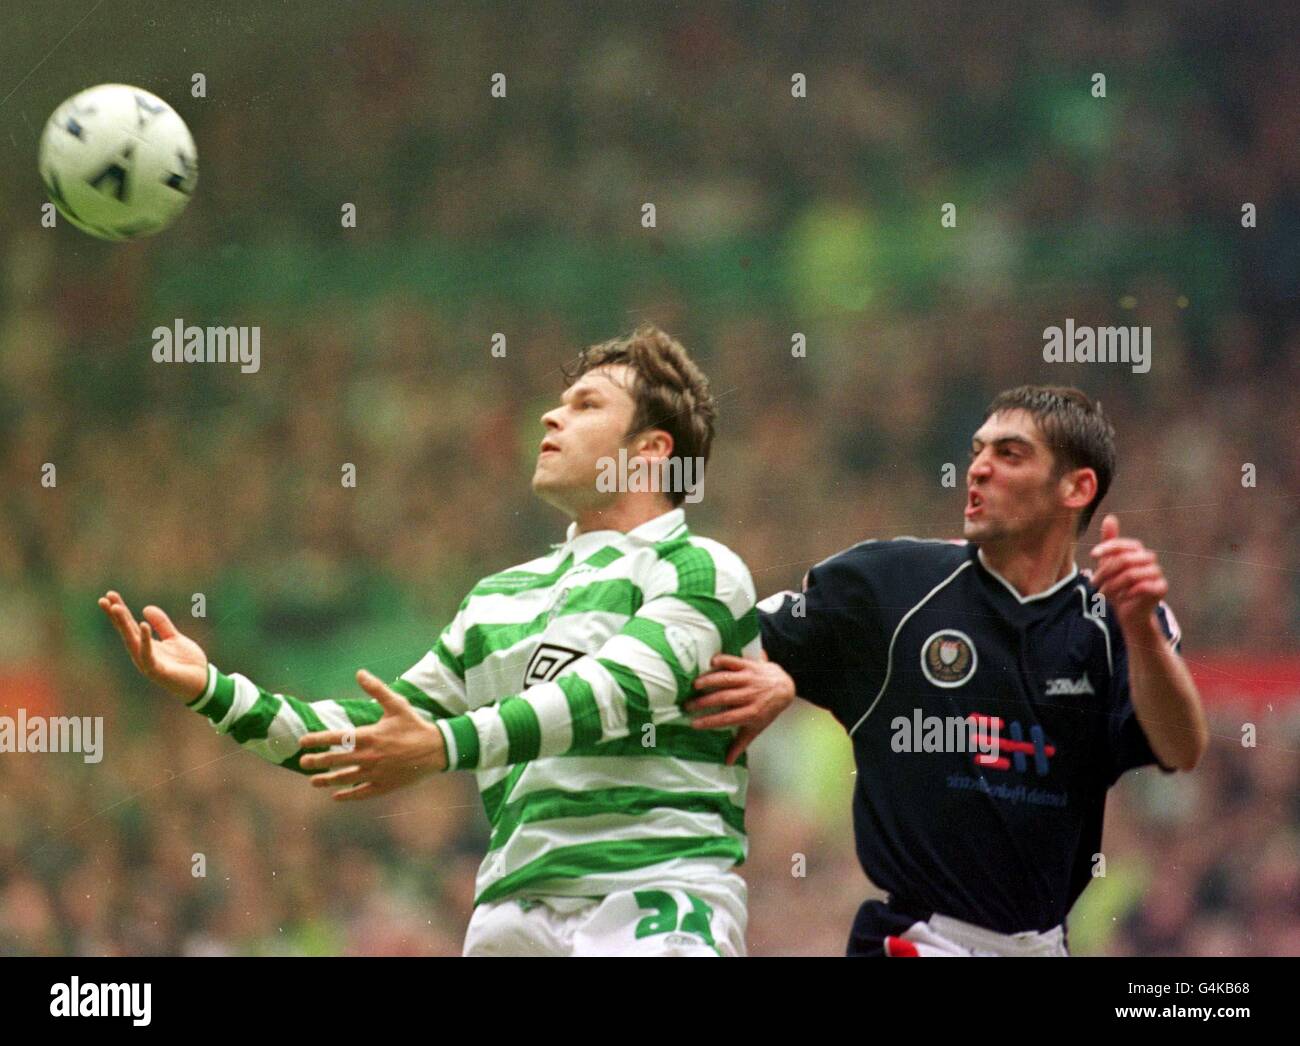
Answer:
[(893, 637)]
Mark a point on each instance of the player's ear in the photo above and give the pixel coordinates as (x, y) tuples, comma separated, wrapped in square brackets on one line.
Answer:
[(1078, 487), (654, 444)]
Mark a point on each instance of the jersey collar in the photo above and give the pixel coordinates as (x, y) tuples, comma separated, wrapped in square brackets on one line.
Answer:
[(650, 532), (1074, 573)]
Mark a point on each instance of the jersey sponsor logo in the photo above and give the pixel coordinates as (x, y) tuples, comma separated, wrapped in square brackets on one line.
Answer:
[(948, 658), (1005, 747), (1065, 685), (547, 662)]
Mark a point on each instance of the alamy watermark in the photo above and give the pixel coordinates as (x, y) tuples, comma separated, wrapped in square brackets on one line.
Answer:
[(675, 475), (93, 999), (1098, 345), (24, 733), (193, 344), (932, 733)]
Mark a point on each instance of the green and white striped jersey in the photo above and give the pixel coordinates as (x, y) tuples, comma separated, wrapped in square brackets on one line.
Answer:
[(561, 683)]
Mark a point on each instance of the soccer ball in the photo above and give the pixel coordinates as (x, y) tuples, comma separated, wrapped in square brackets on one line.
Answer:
[(118, 162)]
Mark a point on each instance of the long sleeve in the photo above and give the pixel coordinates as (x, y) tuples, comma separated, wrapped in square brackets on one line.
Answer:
[(828, 638), (699, 601), (270, 724)]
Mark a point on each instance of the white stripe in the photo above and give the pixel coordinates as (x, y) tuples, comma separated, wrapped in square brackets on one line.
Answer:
[(487, 778), (581, 773), (246, 696), (501, 673), (889, 657), (449, 739), (553, 717), (436, 681), (493, 741), (282, 734), (607, 694), (509, 609), (648, 665), (332, 715), (696, 875), (541, 837), (208, 690)]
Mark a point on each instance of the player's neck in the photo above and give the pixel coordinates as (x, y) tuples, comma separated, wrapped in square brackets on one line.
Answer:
[(1029, 569), (627, 513)]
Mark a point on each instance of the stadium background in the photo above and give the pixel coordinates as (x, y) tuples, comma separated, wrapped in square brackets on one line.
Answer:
[(522, 216)]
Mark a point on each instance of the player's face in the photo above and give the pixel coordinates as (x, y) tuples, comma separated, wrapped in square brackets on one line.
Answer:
[(1012, 491), (590, 423)]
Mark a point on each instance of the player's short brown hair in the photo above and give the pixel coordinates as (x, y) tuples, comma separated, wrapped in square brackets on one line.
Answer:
[(1075, 429), (669, 390)]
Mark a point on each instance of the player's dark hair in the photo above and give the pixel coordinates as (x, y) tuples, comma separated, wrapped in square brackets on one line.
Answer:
[(1073, 426), (669, 390)]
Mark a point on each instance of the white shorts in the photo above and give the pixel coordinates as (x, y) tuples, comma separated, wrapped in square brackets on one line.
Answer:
[(680, 920), (943, 935)]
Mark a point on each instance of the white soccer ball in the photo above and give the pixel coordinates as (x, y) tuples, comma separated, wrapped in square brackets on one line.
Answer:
[(118, 162)]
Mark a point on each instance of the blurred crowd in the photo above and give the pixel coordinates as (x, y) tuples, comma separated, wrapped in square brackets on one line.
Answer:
[(522, 215)]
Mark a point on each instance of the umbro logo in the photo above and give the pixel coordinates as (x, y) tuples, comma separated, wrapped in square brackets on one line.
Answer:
[(1057, 687)]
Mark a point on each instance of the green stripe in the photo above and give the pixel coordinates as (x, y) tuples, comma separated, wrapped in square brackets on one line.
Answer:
[(462, 729), (618, 596), (651, 634), (253, 724), (509, 582), (550, 803), (584, 713), (223, 696), (634, 695), (696, 573), (420, 699), (312, 722), (615, 596), (306, 713), (604, 557), (451, 662), (719, 616), (481, 641), (523, 731), (361, 711), (747, 629), (672, 741), (494, 797), (574, 862)]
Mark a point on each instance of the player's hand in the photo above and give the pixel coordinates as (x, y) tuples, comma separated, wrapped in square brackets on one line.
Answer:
[(172, 660), (751, 695), (1128, 576), (397, 751)]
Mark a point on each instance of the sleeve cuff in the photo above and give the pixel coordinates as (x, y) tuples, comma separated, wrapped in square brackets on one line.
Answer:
[(217, 696), (461, 738)]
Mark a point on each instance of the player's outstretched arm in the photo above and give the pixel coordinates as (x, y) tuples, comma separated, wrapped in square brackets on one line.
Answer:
[(1164, 696), (279, 727)]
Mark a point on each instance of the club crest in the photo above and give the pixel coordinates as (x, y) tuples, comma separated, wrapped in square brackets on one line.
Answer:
[(948, 658)]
